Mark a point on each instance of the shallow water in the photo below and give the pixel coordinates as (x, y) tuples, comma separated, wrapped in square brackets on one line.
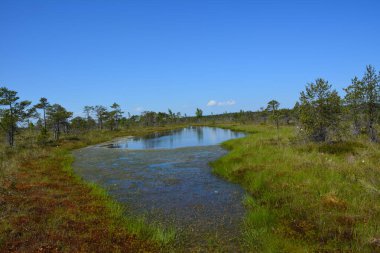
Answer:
[(170, 185), (178, 138)]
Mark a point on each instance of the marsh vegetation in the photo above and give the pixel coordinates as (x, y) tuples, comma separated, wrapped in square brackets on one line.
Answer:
[(311, 174)]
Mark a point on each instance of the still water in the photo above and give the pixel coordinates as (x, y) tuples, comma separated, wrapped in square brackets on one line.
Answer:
[(185, 137), (166, 177)]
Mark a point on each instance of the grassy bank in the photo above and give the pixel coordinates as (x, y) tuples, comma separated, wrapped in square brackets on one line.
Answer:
[(301, 197), (305, 197), (46, 207)]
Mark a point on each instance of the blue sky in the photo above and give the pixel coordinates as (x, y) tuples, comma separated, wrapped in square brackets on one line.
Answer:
[(155, 55)]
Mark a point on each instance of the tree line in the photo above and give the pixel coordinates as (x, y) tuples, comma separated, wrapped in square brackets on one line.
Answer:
[(325, 116), (54, 118), (320, 114)]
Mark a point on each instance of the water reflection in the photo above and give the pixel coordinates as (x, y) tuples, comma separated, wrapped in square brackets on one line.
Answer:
[(178, 138), (173, 186), (200, 134)]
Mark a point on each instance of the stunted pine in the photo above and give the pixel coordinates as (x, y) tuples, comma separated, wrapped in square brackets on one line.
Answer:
[(12, 113), (101, 114), (198, 113), (353, 101), (58, 116), (115, 116), (371, 96), (320, 111), (43, 105), (272, 108)]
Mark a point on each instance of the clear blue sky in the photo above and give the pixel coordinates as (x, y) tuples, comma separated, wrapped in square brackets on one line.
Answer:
[(155, 55)]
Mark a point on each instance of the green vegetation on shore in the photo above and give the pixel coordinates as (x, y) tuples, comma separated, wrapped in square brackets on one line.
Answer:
[(312, 178), (46, 207), (301, 197), (312, 197)]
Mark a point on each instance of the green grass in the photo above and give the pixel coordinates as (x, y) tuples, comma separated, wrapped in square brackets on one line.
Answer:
[(300, 197), (304, 197)]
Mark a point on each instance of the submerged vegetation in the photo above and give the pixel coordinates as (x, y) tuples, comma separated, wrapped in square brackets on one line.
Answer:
[(312, 179)]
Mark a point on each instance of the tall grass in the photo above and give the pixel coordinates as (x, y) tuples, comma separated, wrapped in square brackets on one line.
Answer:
[(305, 197)]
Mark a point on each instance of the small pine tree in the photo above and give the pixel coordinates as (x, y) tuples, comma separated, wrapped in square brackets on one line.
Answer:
[(371, 90), (320, 111), (353, 101)]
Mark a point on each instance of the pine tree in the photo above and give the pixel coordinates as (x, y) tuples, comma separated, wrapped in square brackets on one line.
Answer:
[(12, 113), (371, 97), (320, 110), (353, 101)]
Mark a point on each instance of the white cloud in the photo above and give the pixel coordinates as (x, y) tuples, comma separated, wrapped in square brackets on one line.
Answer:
[(212, 103), (221, 103)]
